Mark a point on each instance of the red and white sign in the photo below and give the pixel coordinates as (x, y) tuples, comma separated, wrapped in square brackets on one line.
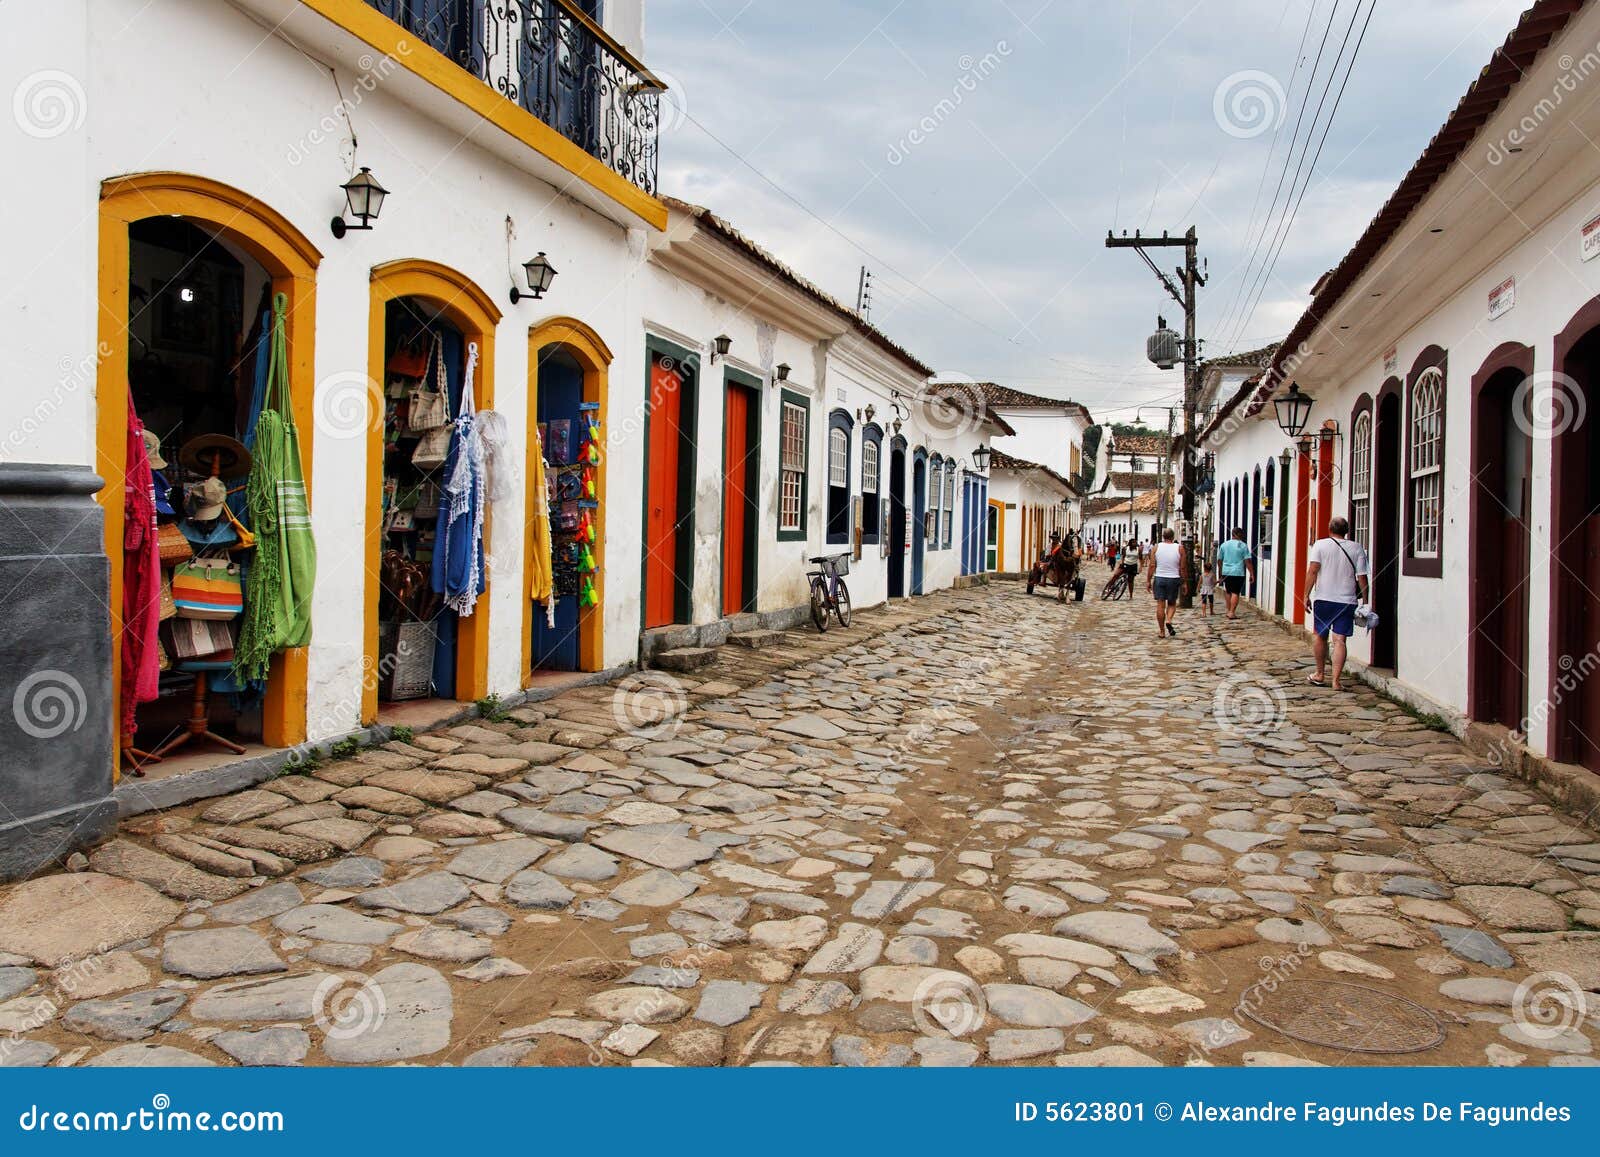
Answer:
[(1591, 237), (1391, 360), (1502, 297)]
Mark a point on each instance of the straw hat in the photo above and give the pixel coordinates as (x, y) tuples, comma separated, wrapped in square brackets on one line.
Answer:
[(232, 459), (152, 450)]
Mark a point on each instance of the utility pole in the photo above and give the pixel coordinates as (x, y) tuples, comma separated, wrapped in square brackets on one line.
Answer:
[(1190, 279), (864, 293)]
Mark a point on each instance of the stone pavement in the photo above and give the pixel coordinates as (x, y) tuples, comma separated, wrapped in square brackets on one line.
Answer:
[(980, 828)]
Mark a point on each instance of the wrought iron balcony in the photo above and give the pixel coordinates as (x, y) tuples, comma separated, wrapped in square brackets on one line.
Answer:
[(552, 58)]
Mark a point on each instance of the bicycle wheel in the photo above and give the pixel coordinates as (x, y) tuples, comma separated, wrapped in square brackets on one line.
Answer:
[(819, 604), (841, 606)]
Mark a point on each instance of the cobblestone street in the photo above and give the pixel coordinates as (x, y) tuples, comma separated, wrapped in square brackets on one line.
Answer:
[(979, 828)]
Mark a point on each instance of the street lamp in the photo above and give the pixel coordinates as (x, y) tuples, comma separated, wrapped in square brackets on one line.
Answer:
[(540, 273), (980, 458), (363, 198), (1293, 410)]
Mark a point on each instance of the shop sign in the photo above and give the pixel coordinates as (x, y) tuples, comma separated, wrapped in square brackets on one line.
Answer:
[(1391, 360), (1591, 237), (1502, 297)]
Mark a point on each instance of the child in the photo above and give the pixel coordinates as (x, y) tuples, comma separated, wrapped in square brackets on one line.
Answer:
[(1208, 590)]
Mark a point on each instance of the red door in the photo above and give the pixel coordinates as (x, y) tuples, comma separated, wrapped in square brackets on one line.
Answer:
[(661, 521), (736, 523)]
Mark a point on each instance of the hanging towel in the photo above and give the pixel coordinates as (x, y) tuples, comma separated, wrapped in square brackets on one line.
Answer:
[(458, 570), (499, 458), (277, 610), (141, 578), (541, 582)]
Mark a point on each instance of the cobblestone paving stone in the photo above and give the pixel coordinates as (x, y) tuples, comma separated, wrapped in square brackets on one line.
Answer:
[(981, 828)]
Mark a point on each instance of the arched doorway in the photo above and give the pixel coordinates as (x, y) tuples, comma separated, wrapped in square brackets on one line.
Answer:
[(427, 292), (1501, 513), (568, 367), (290, 262), (1386, 513), (919, 526), (897, 518), (672, 388), (1269, 545), (1253, 521), (1575, 535)]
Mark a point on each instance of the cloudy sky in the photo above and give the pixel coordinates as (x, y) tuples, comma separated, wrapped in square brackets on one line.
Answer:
[(973, 153)]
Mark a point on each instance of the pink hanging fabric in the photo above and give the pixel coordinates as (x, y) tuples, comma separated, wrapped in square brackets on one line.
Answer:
[(141, 579)]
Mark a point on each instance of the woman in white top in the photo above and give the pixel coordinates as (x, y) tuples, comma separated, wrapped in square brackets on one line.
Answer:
[(1166, 581)]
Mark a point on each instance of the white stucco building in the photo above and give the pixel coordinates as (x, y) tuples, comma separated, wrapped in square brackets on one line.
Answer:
[(1451, 356)]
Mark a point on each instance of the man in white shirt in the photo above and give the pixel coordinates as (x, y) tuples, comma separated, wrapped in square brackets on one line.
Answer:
[(1336, 576)]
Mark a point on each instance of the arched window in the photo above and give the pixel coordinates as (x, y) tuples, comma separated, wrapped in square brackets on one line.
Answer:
[(1425, 464), (936, 498), (839, 424), (871, 450), (1361, 479)]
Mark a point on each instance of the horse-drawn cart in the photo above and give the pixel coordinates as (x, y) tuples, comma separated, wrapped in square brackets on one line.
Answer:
[(1058, 567)]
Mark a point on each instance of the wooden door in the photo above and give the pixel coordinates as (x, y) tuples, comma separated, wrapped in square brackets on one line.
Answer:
[(661, 496), (737, 523)]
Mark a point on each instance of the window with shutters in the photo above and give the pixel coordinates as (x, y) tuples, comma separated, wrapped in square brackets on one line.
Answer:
[(792, 470)]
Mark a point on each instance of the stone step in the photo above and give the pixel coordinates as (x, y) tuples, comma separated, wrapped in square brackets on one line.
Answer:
[(685, 658), (757, 639)]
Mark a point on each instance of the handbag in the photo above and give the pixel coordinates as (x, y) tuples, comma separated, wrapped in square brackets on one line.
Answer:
[(429, 406), (169, 608), (198, 638), (172, 545), (432, 449), (208, 588), (408, 361)]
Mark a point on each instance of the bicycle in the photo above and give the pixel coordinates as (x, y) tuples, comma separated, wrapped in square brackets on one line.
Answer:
[(828, 592), (1118, 585)]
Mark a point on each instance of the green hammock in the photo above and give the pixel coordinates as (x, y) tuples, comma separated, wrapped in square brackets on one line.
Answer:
[(277, 605)]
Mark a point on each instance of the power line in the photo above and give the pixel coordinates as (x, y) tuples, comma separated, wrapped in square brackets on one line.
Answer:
[(1266, 165), (1283, 235), (1277, 192)]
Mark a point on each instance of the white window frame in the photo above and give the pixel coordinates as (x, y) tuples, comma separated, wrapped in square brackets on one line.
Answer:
[(838, 458), (1426, 463), (869, 472), (1361, 479)]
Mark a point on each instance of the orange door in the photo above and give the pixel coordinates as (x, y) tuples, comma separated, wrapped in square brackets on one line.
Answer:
[(736, 523), (661, 522)]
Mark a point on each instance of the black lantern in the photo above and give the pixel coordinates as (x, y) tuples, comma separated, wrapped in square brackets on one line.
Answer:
[(1293, 409), (722, 343), (540, 273), (980, 458), (781, 372), (1135, 463), (363, 199)]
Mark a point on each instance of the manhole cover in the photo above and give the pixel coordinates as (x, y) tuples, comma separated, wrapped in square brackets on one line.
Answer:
[(1343, 1016)]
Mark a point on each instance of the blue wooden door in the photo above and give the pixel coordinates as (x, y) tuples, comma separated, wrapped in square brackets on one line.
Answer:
[(919, 507)]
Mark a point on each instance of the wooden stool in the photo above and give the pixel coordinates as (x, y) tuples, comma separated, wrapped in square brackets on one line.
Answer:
[(198, 725)]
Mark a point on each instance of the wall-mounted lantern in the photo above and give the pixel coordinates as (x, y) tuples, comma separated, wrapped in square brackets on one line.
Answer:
[(363, 200)]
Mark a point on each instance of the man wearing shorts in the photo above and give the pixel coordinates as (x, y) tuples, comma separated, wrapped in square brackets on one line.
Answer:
[(1336, 575), (1233, 558), (1166, 581)]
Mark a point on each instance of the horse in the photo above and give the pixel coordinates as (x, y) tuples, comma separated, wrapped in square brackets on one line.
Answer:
[(1058, 568)]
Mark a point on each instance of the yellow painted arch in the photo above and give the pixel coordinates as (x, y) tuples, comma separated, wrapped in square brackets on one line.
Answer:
[(463, 303), (291, 261), (594, 356)]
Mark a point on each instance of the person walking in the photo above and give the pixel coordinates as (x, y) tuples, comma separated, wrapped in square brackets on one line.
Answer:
[(1336, 575), (1208, 589), (1166, 581), (1235, 562), (1130, 564)]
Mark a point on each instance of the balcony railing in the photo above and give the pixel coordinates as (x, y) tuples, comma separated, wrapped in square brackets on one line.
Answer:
[(553, 59)]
